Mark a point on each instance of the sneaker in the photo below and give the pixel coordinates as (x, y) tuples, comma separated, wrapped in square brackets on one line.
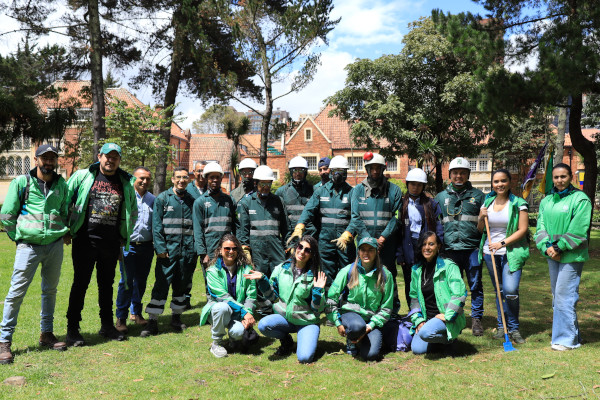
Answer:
[(139, 320), (6, 356), (121, 325), (176, 323), (217, 349), (110, 332), (560, 347), (476, 327), (351, 348), (516, 337), (47, 339), (499, 334), (151, 328), (286, 348), (74, 338)]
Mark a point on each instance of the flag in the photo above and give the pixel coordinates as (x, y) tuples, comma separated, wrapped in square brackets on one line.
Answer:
[(546, 184), (530, 177)]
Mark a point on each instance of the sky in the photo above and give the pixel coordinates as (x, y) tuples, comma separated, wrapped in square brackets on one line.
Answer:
[(368, 29)]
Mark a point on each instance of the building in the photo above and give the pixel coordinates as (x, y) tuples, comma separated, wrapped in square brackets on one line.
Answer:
[(256, 119)]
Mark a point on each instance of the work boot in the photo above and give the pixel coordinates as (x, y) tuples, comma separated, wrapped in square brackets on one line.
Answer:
[(176, 323), (516, 336), (110, 332), (74, 338), (499, 333), (286, 348), (351, 348), (217, 349), (187, 304), (476, 327), (151, 328), (6, 356), (139, 320), (47, 339), (121, 325)]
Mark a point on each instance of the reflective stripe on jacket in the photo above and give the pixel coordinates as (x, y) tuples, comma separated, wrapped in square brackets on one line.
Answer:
[(330, 209), (172, 226), (213, 218)]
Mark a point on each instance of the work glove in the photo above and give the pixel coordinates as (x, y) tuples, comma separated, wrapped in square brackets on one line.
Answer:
[(248, 254), (298, 232), (343, 240)]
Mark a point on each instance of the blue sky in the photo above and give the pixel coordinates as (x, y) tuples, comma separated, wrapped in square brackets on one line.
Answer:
[(368, 29)]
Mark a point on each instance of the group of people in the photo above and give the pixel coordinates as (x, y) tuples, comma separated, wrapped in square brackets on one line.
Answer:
[(279, 260)]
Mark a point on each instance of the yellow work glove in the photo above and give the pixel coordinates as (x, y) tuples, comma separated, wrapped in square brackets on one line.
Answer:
[(343, 240), (298, 232), (247, 253)]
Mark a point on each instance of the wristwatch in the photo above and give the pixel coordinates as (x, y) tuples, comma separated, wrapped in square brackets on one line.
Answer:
[(503, 243)]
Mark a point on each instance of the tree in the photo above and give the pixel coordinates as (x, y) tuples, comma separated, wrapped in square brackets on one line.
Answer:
[(274, 37), (212, 120), (235, 128), (564, 35), (415, 102)]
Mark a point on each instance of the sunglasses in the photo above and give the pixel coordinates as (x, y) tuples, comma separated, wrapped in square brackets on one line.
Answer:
[(230, 248), (264, 184), (306, 249), (294, 170)]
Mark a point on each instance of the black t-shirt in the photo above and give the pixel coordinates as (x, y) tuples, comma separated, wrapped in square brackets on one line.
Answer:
[(103, 214), (428, 291)]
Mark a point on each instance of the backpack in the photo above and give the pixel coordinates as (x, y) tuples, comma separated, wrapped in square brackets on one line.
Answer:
[(396, 334)]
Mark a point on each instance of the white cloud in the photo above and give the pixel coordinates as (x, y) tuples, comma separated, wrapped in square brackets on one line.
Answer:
[(529, 62)]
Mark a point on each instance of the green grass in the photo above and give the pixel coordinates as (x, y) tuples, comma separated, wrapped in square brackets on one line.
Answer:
[(179, 366)]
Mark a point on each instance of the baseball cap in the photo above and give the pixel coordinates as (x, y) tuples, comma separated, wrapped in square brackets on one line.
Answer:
[(324, 162), (368, 240), (44, 148), (108, 147)]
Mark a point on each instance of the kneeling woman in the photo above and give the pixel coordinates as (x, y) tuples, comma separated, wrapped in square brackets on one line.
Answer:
[(296, 291), (360, 301), (231, 298), (437, 297)]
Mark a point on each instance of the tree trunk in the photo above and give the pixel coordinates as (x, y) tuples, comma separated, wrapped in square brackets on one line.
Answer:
[(98, 111), (439, 180), (560, 135), (266, 122), (170, 97), (584, 147)]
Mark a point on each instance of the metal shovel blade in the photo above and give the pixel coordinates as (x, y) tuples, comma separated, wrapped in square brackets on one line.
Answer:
[(507, 344)]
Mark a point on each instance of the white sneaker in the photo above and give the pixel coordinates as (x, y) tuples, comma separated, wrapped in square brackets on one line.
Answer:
[(560, 347), (218, 350)]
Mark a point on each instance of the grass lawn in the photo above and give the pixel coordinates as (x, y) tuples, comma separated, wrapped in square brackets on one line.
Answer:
[(179, 366)]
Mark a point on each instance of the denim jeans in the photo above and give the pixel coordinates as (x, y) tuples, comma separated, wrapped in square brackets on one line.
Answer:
[(355, 326), (276, 326), (564, 281), (434, 331), (468, 262), (27, 259), (509, 290), (137, 263), (221, 317)]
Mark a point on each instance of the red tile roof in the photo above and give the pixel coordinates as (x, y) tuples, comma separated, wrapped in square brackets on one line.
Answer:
[(207, 147), (588, 133)]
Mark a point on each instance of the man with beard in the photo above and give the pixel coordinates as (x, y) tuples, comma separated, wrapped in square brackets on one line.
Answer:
[(34, 215), (102, 215), (246, 168), (324, 172), (172, 230), (375, 202)]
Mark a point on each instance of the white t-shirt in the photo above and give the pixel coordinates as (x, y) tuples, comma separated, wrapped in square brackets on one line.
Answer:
[(498, 224)]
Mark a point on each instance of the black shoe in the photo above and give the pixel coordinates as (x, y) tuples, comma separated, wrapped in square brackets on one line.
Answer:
[(74, 338), (187, 304), (110, 332), (176, 323), (151, 328), (286, 348)]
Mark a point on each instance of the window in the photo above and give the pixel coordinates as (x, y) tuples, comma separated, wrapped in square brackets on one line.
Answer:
[(473, 165), (18, 170), (26, 165), (276, 175), (356, 163), (312, 162), (308, 135), (10, 167), (483, 165), (392, 165), (2, 166), (17, 144), (26, 143), (84, 114)]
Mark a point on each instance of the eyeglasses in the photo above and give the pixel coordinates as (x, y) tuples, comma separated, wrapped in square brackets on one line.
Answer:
[(230, 248), (294, 170), (306, 249), (181, 178), (264, 184)]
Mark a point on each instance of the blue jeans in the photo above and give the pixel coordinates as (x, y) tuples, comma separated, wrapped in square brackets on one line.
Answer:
[(27, 259), (509, 290), (564, 281), (355, 326), (468, 262), (221, 317), (434, 331), (276, 326), (137, 263)]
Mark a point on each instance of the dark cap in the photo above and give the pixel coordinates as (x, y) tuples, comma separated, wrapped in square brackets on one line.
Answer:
[(324, 162), (43, 149)]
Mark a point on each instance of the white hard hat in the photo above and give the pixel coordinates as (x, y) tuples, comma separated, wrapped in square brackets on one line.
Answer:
[(247, 163), (263, 173), (416, 175), (212, 167), (459, 162), (298, 162), (373, 158), (339, 162)]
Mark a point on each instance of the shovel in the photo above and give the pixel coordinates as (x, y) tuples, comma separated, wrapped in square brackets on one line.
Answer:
[(507, 344)]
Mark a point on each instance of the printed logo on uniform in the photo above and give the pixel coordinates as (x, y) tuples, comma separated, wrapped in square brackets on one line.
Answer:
[(345, 200), (170, 208), (472, 200), (252, 212), (387, 200), (324, 198), (446, 201), (207, 204), (362, 198), (57, 193)]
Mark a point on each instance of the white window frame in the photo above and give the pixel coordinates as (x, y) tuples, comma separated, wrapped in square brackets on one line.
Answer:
[(394, 160), (350, 157), (473, 165), (316, 156), (308, 136)]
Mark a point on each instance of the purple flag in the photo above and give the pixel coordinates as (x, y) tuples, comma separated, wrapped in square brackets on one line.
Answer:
[(530, 177)]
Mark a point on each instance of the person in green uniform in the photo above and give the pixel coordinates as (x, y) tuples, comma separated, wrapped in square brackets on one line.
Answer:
[(198, 185), (324, 172), (246, 168)]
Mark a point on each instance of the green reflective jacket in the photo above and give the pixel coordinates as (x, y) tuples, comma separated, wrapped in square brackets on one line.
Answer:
[(294, 202), (564, 219), (172, 228), (331, 210), (42, 219), (213, 218), (450, 295)]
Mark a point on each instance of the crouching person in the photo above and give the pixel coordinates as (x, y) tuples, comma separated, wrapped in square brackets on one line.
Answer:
[(296, 291), (437, 297), (231, 297)]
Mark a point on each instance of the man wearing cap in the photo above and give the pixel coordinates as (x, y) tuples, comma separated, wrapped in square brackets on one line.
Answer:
[(198, 185), (102, 214), (460, 204), (323, 172), (246, 168), (137, 261), (34, 215)]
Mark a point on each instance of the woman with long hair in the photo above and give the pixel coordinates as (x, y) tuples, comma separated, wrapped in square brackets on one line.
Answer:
[(360, 301), (437, 297), (231, 298), (296, 291)]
